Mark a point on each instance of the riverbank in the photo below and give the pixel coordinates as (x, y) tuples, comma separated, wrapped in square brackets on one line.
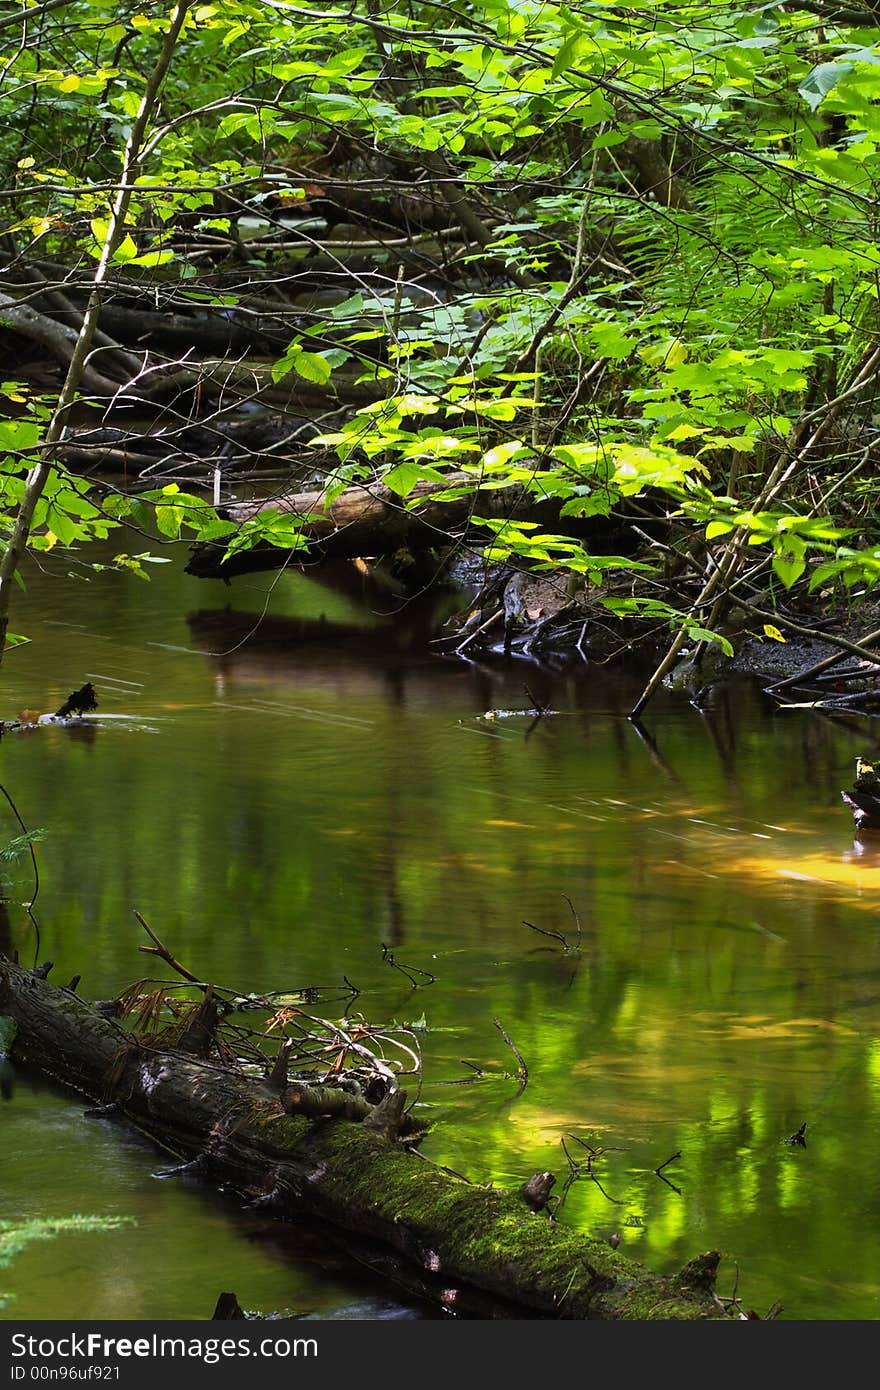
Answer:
[(793, 648)]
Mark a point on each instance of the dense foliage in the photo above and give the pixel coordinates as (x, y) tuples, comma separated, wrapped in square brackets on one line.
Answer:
[(623, 258)]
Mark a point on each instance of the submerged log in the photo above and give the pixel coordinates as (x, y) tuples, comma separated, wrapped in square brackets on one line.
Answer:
[(347, 1174)]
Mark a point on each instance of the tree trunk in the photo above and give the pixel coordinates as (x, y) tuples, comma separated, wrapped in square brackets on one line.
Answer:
[(365, 521), (344, 1173)]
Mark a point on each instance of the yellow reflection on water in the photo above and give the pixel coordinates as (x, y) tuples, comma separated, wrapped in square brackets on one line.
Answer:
[(856, 870), (817, 868), (758, 1027)]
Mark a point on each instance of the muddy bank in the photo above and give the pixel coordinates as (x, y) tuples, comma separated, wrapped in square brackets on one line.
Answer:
[(805, 652)]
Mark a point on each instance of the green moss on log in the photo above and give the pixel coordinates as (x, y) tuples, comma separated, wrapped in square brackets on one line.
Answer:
[(465, 1234)]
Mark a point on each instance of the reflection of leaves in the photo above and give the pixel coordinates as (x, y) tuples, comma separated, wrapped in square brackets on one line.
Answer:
[(16, 1236), (15, 849), (19, 845)]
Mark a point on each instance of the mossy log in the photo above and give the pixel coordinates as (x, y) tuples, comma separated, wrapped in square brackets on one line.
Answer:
[(347, 1174)]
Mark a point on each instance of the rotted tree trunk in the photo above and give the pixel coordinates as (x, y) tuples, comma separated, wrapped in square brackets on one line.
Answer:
[(341, 1171)]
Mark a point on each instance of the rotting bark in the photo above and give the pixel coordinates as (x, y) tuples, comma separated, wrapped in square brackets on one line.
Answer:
[(346, 1174)]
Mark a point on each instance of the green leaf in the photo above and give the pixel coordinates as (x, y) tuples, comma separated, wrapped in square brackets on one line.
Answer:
[(281, 368), (789, 559), (126, 250), (312, 366), (211, 531), (703, 634), (670, 352), (152, 258), (822, 80), (100, 227), (405, 476), (567, 54), (168, 520)]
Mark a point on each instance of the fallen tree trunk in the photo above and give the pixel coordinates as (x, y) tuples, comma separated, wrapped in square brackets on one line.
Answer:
[(59, 339), (344, 1173), (362, 521)]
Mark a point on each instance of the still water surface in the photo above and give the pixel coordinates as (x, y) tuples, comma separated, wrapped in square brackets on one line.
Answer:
[(279, 803)]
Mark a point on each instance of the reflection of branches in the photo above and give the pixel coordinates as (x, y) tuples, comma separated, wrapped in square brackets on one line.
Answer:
[(482, 1074), (616, 1201), (583, 1168), (657, 757), (593, 1153), (659, 1171), (479, 1074), (540, 712), (29, 908)]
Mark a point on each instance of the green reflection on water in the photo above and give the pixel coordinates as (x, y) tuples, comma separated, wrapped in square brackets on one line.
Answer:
[(282, 808)]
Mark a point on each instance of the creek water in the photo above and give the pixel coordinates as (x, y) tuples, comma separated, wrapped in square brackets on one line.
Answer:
[(283, 778)]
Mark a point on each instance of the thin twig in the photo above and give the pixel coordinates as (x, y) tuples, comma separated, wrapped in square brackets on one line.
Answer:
[(408, 970), (161, 950), (842, 643), (577, 921), (557, 936), (482, 628), (523, 1071)]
